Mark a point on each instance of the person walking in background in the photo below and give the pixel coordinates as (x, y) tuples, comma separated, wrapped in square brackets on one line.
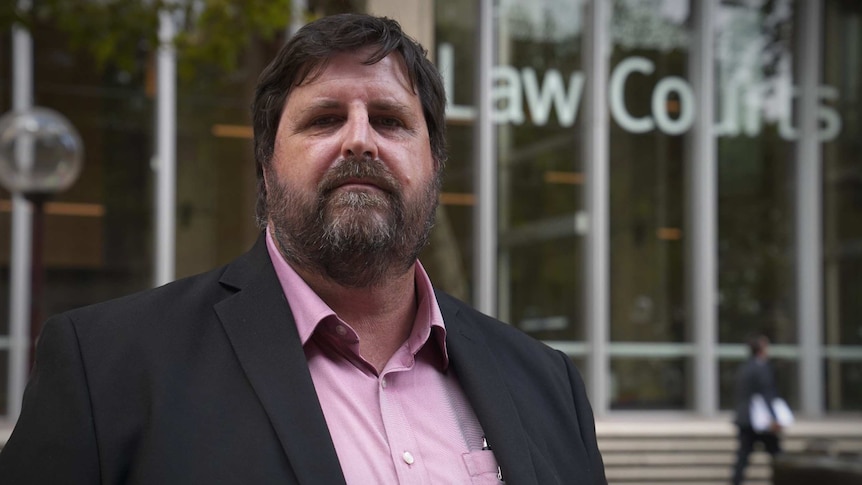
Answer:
[(323, 355), (755, 378)]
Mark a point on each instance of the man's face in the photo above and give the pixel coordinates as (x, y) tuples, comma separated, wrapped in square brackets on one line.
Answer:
[(352, 186)]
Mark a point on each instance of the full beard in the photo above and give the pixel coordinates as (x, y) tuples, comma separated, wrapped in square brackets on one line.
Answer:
[(354, 237)]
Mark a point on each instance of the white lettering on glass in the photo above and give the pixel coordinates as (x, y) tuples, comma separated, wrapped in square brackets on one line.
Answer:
[(539, 100), (741, 106), (507, 96), (663, 89), (616, 91)]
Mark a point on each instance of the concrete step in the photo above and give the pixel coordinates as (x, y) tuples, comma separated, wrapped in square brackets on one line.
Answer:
[(694, 481), (677, 458), (643, 451), (682, 474), (621, 444)]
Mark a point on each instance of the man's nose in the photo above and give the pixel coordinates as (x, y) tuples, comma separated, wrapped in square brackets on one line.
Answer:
[(359, 138)]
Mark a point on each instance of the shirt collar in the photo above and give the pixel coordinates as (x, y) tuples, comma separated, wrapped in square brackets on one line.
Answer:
[(309, 310)]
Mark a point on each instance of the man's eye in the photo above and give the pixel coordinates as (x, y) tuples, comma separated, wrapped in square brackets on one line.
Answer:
[(324, 120), (389, 122)]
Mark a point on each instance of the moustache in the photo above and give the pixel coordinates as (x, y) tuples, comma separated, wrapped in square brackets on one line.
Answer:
[(359, 169)]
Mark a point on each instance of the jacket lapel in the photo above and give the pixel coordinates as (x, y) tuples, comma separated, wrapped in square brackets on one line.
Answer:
[(261, 329), (477, 371)]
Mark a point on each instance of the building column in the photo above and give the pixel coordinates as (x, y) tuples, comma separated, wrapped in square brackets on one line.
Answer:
[(702, 216), (166, 154), (485, 173), (596, 260), (809, 213)]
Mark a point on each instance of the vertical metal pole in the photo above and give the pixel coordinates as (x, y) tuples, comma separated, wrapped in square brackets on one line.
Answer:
[(485, 172), (19, 274), (166, 152), (809, 223), (297, 16), (596, 260), (703, 211)]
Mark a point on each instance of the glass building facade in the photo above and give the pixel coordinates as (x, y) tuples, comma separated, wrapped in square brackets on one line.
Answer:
[(639, 183)]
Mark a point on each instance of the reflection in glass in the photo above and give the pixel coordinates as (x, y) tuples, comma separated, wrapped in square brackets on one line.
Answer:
[(98, 236), (755, 164), (842, 176), (844, 385), (448, 257), (216, 178), (648, 383), (546, 310), (651, 107), (538, 89)]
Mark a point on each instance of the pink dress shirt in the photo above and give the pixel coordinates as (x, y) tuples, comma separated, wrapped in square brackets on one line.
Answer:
[(411, 424)]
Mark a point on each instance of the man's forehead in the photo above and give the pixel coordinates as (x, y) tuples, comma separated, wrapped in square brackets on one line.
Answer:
[(358, 62), (350, 72)]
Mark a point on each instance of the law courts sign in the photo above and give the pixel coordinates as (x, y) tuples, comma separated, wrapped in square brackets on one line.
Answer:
[(744, 107)]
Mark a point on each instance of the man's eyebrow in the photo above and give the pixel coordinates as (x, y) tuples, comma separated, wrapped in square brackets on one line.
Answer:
[(322, 104), (391, 106), (379, 106)]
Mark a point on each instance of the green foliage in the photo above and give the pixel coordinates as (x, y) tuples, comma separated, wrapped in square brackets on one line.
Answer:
[(121, 32), (218, 33)]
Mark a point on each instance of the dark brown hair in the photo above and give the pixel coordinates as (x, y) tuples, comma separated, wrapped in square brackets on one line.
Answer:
[(305, 55)]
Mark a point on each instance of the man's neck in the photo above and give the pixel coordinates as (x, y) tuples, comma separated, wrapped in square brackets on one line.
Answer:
[(382, 315)]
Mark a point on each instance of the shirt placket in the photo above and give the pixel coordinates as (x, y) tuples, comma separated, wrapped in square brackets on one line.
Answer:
[(403, 446)]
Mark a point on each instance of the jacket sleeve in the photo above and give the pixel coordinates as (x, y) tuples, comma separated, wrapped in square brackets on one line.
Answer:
[(586, 420), (54, 438)]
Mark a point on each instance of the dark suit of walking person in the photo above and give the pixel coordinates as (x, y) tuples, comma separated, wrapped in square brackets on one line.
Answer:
[(323, 355), (753, 377)]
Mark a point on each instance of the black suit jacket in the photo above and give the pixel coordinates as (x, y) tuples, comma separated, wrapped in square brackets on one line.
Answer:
[(204, 381), (753, 377)]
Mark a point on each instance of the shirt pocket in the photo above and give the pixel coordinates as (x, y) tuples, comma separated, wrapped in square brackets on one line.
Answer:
[(482, 467)]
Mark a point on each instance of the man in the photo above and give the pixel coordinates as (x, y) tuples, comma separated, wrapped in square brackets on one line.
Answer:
[(323, 355), (754, 377)]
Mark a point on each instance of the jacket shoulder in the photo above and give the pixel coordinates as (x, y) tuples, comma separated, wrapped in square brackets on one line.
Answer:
[(189, 295), (186, 294)]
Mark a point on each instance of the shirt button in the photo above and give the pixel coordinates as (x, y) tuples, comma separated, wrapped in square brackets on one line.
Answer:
[(340, 330), (383, 382), (408, 458)]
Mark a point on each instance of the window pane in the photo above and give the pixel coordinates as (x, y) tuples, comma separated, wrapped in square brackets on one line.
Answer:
[(844, 385), (448, 257), (651, 105), (538, 91), (216, 175), (755, 168), (98, 242), (842, 175), (648, 383)]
